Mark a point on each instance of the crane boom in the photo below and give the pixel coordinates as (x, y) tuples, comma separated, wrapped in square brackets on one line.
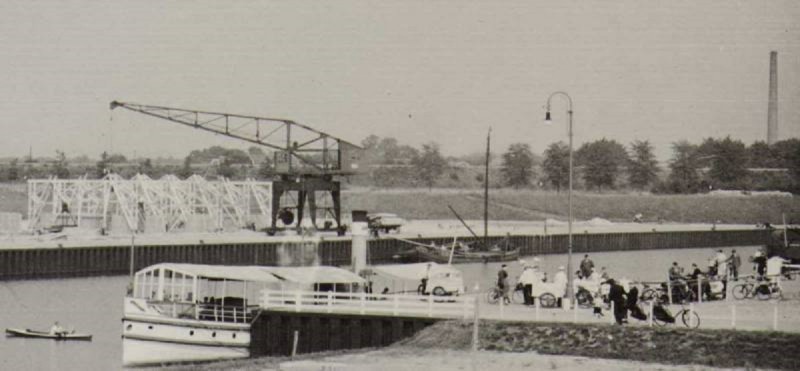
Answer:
[(299, 149)]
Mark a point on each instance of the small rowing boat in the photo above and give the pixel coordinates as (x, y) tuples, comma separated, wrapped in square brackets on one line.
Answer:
[(28, 333)]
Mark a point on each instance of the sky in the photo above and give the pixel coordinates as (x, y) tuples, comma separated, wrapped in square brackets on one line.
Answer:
[(419, 71)]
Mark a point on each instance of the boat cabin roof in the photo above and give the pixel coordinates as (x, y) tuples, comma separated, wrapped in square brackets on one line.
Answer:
[(265, 274)]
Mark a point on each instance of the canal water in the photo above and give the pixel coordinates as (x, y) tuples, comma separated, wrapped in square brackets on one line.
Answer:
[(94, 305)]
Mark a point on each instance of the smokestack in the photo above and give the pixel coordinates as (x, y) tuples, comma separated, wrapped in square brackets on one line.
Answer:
[(772, 109)]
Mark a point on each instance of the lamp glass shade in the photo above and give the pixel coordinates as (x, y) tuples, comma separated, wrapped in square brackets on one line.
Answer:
[(547, 119)]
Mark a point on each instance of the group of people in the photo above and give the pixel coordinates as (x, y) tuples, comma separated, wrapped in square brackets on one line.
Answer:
[(533, 281)]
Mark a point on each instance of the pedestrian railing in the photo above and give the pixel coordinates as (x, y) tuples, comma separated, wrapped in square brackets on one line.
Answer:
[(369, 304)]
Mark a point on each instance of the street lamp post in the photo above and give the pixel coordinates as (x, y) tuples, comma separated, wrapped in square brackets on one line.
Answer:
[(570, 289)]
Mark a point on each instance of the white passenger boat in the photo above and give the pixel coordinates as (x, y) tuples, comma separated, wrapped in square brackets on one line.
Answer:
[(192, 312)]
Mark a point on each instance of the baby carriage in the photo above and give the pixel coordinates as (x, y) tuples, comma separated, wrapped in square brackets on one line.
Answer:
[(661, 314)]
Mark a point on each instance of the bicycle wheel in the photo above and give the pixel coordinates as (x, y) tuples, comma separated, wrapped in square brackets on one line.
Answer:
[(741, 291), (547, 300), (493, 296), (690, 318)]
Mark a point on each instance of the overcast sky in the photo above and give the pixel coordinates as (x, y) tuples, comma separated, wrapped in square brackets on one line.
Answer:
[(419, 71)]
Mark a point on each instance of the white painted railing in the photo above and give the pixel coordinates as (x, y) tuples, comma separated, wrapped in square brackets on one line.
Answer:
[(369, 304)]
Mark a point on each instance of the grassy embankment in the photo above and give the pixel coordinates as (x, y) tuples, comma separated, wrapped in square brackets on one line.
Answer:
[(719, 348), (672, 346), (507, 204)]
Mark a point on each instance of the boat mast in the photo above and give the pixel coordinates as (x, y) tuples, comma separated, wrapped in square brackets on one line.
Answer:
[(486, 195)]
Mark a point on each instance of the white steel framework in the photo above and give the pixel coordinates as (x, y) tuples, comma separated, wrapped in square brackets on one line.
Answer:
[(142, 204)]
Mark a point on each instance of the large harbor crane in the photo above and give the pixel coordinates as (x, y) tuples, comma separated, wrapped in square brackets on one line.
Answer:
[(306, 161)]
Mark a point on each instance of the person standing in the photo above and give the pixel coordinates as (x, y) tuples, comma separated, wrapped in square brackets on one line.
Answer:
[(587, 266), (617, 296), (734, 262), (760, 263), (722, 263), (526, 279), (502, 283)]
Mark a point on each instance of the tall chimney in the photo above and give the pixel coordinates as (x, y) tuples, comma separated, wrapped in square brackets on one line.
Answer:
[(772, 109)]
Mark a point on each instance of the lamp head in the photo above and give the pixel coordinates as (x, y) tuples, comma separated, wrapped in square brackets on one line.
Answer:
[(547, 120)]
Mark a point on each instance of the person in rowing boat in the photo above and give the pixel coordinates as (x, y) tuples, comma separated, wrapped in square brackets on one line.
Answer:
[(56, 329)]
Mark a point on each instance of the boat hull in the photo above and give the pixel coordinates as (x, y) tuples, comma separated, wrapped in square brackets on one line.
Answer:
[(28, 333), (151, 339)]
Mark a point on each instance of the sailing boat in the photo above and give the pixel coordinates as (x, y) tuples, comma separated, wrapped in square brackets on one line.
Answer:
[(463, 253)]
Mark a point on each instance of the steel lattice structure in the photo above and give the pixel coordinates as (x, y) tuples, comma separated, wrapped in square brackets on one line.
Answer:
[(307, 160), (142, 204)]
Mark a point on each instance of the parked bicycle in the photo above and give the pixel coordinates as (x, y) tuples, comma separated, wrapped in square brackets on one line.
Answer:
[(763, 289), (679, 293)]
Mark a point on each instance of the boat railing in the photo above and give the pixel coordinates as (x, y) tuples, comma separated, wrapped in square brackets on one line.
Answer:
[(225, 313), (369, 304)]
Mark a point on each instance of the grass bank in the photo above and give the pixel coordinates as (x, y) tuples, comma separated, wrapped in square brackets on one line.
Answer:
[(508, 204), (718, 348)]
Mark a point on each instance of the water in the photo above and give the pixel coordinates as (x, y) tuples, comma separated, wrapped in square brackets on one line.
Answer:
[(94, 305)]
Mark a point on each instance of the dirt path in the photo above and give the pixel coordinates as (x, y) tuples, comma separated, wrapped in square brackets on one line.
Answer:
[(409, 358)]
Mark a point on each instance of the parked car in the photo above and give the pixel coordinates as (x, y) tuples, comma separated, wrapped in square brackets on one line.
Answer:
[(384, 222)]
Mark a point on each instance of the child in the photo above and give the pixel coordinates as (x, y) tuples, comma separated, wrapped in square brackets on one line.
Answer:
[(597, 303)]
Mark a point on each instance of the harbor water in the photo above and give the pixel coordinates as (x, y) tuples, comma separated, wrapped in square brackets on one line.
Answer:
[(94, 305)]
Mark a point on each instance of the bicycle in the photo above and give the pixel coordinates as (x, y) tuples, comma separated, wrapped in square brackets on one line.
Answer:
[(688, 317), (762, 289), (494, 295), (679, 293)]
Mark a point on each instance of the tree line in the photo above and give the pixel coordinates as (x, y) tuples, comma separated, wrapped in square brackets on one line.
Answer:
[(604, 164)]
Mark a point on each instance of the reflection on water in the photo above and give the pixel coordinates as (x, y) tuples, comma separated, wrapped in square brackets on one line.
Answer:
[(94, 305)]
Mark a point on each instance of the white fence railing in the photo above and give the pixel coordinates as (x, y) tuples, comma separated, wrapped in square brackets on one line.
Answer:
[(369, 304)]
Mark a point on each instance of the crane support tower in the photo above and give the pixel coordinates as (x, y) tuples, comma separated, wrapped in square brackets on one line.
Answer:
[(307, 163)]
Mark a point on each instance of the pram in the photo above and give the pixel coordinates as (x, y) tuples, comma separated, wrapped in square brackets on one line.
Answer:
[(662, 314), (637, 312)]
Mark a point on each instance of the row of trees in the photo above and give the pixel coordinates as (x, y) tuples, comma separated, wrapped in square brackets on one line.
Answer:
[(605, 164), (602, 164)]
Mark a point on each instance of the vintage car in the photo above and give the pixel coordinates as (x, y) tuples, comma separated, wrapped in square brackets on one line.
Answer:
[(384, 222)]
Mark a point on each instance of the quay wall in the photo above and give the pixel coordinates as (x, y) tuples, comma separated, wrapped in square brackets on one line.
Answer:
[(272, 333), (35, 263)]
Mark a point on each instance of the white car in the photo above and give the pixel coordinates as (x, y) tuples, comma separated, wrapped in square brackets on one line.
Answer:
[(384, 222)]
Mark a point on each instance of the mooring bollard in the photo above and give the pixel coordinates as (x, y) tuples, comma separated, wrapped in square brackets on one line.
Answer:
[(733, 316), (650, 315)]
